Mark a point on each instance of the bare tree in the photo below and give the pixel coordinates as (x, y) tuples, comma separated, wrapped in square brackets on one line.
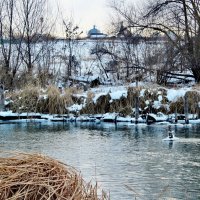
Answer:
[(25, 41), (100, 50), (72, 34), (30, 27), (178, 20), (6, 36)]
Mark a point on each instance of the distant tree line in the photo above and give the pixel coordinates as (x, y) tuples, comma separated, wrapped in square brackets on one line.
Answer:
[(28, 52), (160, 40), (178, 21), (22, 24)]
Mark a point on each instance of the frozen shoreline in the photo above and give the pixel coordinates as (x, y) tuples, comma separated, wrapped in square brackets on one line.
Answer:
[(10, 117)]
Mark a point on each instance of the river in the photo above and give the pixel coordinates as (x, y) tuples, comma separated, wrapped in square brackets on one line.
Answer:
[(128, 161)]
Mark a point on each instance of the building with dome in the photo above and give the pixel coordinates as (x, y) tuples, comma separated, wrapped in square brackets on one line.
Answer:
[(95, 33)]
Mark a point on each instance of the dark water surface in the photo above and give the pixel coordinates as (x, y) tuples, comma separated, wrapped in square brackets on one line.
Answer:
[(128, 161)]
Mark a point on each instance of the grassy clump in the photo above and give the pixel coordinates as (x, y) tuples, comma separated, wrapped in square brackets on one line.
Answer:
[(121, 106), (126, 111), (90, 106), (25, 100), (102, 104), (34, 99), (178, 106), (193, 98), (33, 176), (57, 101)]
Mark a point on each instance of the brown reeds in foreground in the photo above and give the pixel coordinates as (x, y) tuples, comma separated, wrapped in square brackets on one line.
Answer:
[(37, 177)]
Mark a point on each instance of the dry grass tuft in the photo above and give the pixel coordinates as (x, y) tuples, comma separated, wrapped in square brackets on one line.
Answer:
[(56, 104), (36, 177), (196, 87), (57, 101), (29, 99), (90, 96), (25, 100)]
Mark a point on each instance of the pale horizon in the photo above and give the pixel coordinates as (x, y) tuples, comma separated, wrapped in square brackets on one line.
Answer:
[(85, 13)]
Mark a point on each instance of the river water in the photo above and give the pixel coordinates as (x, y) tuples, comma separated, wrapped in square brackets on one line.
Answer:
[(128, 161)]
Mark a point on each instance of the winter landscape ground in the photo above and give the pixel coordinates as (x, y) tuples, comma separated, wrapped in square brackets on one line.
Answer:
[(94, 89), (123, 107)]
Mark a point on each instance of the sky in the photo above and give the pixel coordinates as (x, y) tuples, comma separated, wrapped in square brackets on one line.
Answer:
[(85, 13)]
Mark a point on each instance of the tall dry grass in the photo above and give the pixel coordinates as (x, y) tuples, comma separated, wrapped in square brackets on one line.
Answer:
[(37, 177), (26, 99), (58, 101)]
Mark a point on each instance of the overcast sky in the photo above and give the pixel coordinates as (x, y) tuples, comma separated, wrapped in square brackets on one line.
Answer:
[(85, 13)]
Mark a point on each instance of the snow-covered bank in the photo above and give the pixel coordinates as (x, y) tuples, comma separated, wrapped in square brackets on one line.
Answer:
[(152, 99), (107, 118), (119, 101)]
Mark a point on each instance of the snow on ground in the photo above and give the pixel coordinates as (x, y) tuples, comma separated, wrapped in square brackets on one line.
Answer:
[(7, 113), (157, 104), (115, 92), (142, 92), (75, 107), (139, 84), (97, 95), (174, 94), (118, 94)]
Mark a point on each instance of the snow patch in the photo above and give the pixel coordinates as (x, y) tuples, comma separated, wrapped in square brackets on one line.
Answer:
[(75, 107), (147, 102), (142, 92), (174, 94), (157, 104), (160, 98), (97, 96), (118, 94)]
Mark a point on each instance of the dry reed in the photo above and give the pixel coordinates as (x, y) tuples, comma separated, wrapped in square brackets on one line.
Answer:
[(37, 177), (25, 100), (90, 97), (57, 101)]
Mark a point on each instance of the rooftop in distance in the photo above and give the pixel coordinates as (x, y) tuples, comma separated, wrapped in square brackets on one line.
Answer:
[(96, 33)]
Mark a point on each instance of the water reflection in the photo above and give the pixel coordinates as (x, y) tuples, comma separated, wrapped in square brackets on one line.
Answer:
[(171, 144), (127, 159)]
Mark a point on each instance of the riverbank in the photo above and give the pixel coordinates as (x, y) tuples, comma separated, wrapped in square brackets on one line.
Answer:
[(105, 99), (108, 103), (9, 117)]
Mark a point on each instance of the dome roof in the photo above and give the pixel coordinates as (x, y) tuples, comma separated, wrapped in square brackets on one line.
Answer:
[(94, 31)]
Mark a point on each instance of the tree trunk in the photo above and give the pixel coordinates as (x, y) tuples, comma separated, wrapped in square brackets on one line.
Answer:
[(196, 73), (2, 107)]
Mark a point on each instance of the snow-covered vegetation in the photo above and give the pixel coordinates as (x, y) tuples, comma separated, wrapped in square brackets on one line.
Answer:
[(111, 103), (143, 68)]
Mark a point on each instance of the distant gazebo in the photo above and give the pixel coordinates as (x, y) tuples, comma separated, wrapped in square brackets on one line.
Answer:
[(95, 33)]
